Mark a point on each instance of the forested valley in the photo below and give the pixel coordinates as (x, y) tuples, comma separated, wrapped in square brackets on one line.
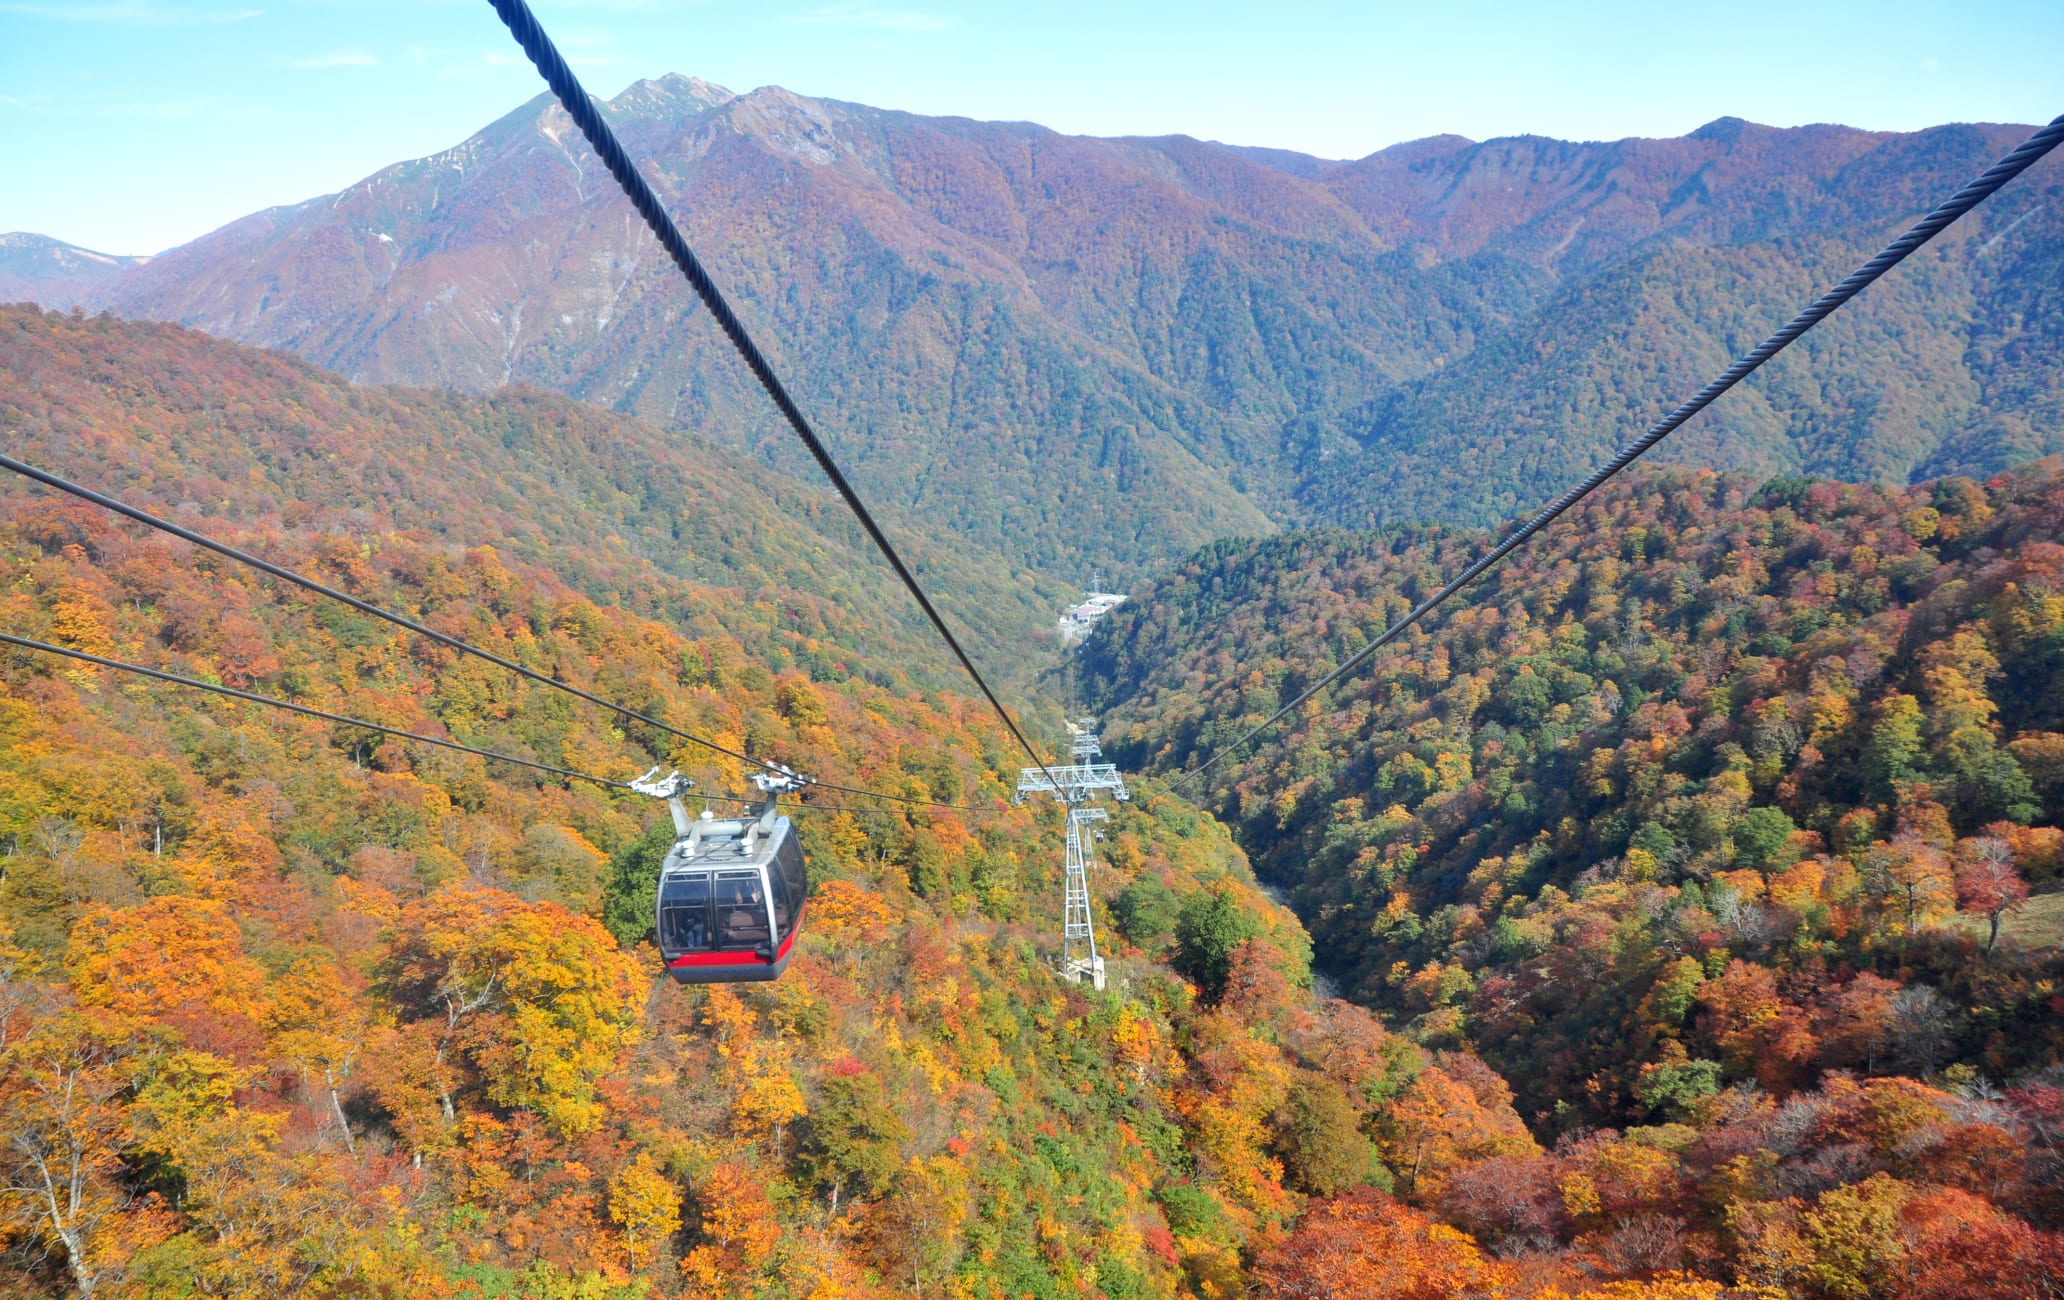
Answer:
[(1674, 916)]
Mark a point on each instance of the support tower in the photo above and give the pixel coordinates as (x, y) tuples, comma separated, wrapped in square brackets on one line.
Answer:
[(1077, 786)]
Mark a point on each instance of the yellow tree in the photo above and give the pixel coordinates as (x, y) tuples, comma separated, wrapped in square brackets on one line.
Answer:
[(646, 1205), (1853, 1233), (225, 852), (1921, 879), (539, 1000), (313, 1023), (268, 1222), (63, 1120), (406, 1068), (767, 1099), (917, 1227), (1236, 1083), (755, 1071)]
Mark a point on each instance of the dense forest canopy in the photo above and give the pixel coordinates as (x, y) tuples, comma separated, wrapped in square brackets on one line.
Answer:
[(291, 1008), (1709, 821), (1730, 988)]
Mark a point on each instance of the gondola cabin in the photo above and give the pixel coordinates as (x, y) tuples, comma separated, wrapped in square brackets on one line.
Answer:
[(731, 891)]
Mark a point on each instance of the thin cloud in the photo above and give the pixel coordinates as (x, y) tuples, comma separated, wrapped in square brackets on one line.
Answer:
[(587, 47), (454, 65), (337, 59), (142, 110), (209, 107), (854, 15), (135, 13), (584, 38)]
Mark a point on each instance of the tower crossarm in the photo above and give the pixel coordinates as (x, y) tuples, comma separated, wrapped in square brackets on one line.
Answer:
[(1077, 786), (1073, 783)]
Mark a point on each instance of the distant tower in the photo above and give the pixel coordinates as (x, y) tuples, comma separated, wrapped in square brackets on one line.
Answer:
[(1083, 744), (1077, 786)]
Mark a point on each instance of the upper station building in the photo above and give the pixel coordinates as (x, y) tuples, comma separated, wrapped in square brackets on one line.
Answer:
[(1077, 620)]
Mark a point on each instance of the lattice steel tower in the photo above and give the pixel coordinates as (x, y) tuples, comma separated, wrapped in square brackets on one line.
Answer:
[(1077, 786)]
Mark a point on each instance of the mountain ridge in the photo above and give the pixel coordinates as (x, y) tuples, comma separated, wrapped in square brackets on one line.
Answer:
[(32, 264), (1092, 352)]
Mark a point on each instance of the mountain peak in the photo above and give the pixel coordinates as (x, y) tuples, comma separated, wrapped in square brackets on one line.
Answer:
[(24, 243), (671, 93), (1724, 130)]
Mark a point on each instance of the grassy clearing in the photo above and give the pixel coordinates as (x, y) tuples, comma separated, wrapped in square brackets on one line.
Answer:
[(2037, 923)]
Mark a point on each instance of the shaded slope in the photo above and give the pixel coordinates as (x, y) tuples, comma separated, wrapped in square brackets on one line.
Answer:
[(187, 425), (1948, 365)]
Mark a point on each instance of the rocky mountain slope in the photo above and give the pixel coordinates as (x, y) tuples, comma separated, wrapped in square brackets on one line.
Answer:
[(1081, 350), (38, 267)]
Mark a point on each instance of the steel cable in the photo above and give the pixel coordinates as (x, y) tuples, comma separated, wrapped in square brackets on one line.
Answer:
[(285, 574), (1956, 205), (529, 34), (271, 702)]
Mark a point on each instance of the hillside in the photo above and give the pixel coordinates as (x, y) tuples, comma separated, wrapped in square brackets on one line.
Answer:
[(1085, 352), (1697, 821), (318, 1015), (1816, 702), (183, 424), (289, 1009), (1948, 367)]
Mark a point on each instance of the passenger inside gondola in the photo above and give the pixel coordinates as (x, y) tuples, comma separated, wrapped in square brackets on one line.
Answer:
[(684, 914)]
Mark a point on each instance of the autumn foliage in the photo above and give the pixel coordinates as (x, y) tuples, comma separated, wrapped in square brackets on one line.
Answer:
[(1683, 914), (1713, 828), (287, 1008)]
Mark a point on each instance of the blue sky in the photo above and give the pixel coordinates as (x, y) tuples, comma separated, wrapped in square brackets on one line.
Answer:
[(134, 125)]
